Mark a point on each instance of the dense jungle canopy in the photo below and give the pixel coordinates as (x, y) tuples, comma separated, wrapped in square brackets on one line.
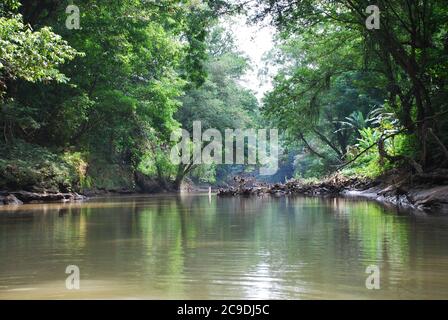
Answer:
[(94, 107)]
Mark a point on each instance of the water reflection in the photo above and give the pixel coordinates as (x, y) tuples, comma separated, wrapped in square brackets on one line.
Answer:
[(193, 247)]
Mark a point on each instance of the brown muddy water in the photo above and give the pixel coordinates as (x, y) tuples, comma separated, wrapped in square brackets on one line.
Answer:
[(196, 247)]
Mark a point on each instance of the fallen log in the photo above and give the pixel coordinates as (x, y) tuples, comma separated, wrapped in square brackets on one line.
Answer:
[(32, 197)]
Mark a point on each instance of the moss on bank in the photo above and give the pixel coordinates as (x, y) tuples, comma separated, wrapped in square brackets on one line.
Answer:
[(24, 166), (30, 167), (106, 176)]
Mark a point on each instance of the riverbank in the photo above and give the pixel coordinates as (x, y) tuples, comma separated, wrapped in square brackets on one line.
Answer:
[(25, 197), (426, 192), (22, 197), (30, 173)]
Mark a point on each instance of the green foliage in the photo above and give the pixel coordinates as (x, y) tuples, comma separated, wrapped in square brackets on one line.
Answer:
[(29, 167), (77, 160), (204, 174), (309, 167), (405, 145), (115, 102), (322, 94), (368, 164), (113, 92), (369, 137), (31, 55), (158, 164), (221, 102), (383, 126), (333, 70), (102, 174), (8, 6), (355, 121)]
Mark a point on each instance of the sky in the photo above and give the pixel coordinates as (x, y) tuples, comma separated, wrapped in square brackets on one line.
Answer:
[(254, 41)]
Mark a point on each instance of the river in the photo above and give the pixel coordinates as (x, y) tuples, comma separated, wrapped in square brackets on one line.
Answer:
[(199, 247)]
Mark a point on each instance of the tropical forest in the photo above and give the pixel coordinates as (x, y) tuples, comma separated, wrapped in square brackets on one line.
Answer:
[(284, 138)]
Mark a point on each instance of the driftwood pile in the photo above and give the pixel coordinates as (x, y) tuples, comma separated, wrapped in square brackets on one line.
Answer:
[(332, 185), (427, 192)]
